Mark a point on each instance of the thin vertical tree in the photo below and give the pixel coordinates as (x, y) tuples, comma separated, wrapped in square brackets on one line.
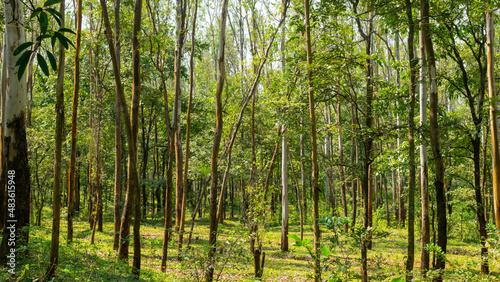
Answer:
[(490, 41), (216, 145), (56, 221), (74, 120), (314, 147), (411, 143), (118, 138), (434, 136), (424, 172)]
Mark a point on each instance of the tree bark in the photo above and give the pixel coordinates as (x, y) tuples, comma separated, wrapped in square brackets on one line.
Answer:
[(216, 146), (314, 147), (434, 136), (411, 142), (118, 138), (424, 178), (14, 144), (76, 90), (54, 247)]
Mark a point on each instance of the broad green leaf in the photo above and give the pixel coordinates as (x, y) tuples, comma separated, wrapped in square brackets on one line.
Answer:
[(43, 64), (22, 47), (24, 56), (66, 30), (325, 251), (51, 2), (23, 64), (399, 279), (62, 39), (44, 22), (55, 14), (52, 60), (36, 12), (293, 236)]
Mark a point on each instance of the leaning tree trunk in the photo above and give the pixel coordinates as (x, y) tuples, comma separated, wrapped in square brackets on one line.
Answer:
[(56, 222), (118, 139), (131, 122), (14, 162)]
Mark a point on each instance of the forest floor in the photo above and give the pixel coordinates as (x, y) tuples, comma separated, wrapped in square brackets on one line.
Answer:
[(84, 262)]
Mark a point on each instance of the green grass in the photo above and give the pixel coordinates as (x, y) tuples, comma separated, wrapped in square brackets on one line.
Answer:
[(81, 261)]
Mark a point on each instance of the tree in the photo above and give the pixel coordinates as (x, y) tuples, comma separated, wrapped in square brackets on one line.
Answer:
[(434, 134), (216, 145), (14, 157), (76, 90), (54, 248), (314, 147)]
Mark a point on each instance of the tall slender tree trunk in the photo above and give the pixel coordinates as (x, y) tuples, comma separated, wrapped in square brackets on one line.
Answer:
[(314, 147), (176, 118), (74, 114), (411, 142), (490, 43), (434, 134), (132, 125), (341, 167), (284, 192), (56, 222), (424, 174), (188, 125), (216, 146), (118, 138)]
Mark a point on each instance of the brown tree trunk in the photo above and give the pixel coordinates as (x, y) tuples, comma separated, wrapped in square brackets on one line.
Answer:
[(188, 129), (434, 136), (76, 90), (314, 148), (216, 146), (341, 165), (411, 133), (54, 247), (118, 139)]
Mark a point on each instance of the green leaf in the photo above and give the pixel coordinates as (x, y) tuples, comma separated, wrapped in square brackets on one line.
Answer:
[(325, 251), (22, 47), (43, 64), (399, 279), (23, 63), (36, 12), (44, 22), (42, 37), (62, 39), (66, 30), (51, 2), (53, 41), (55, 14), (52, 60), (293, 236), (24, 56)]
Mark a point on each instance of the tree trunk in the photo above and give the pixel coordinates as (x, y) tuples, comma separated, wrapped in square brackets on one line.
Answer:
[(14, 155), (314, 147), (341, 165), (131, 122), (434, 136), (54, 247), (284, 193), (76, 90), (411, 143), (216, 146), (424, 179), (490, 41), (188, 127)]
